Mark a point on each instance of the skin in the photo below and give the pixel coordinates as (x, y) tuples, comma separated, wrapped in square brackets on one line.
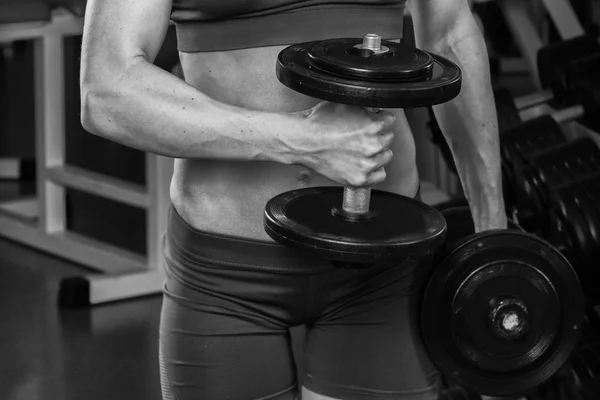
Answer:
[(239, 137)]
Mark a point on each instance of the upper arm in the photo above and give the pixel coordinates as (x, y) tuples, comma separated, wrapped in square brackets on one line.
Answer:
[(117, 33), (434, 20)]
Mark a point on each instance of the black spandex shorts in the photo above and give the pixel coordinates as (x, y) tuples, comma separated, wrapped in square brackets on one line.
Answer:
[(229, 304)]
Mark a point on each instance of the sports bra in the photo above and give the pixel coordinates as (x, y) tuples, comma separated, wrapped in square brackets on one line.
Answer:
[(217, 25)]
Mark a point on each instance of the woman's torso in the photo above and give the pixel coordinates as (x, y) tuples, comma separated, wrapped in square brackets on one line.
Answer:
[(227, 197)]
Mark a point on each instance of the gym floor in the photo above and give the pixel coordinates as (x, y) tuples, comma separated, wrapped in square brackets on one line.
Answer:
[(104, 352)]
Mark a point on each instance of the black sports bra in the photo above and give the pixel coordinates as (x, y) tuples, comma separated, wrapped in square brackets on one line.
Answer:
[(216, 25)]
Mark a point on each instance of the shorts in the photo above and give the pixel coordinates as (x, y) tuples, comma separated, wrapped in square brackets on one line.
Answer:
[(229, 304)]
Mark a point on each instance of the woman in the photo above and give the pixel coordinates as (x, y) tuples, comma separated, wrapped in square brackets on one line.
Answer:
[(239, 137)]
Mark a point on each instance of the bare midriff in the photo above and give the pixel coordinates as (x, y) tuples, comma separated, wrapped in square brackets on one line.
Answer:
[(229, 198)]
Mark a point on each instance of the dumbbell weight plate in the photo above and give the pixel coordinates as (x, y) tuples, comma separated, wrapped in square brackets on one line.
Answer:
[(573, 160), (401, 227), (530, 137), (574, 222), (388, 76), (586, 366), (580, 241), (519, 143), (554, 59), (491, 271), (582, 160), (589, 213), (337, 71), (591, 326), (584, 377), (544, 170), (508, 115)]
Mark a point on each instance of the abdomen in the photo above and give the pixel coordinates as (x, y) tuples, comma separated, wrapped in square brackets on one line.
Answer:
[(229, 197)]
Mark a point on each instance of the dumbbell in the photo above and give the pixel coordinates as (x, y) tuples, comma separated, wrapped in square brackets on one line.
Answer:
[(562, 68), (519, 143), (591, 325), (565, 69), (579, 77), (535, 173), (356, 227), (555, 60), (502, 309), (573, 224), (585, 363)]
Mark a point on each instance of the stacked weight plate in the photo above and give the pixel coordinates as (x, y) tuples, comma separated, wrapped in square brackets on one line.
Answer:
[(539, 172), (574, 227)]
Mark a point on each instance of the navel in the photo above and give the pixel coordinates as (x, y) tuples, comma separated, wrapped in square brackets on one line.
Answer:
[(304, 178)]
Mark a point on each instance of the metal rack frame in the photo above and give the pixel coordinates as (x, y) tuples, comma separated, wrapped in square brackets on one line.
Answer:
[(123, 274)]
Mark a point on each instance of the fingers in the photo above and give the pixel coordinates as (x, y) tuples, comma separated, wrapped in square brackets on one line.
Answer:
[(382, 122), (376, 177), (374, 145), (373, 171), (367, 179), (386, 139), (380, 160)]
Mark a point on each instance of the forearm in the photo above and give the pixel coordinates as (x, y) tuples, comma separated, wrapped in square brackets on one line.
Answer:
[(470, 126), (151, 110)]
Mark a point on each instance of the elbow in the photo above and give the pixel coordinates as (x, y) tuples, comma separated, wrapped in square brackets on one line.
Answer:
[(95, 112), (87, 110)]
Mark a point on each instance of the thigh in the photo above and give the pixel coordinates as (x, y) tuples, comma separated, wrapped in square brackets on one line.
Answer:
[(211, 350), (367, 345)]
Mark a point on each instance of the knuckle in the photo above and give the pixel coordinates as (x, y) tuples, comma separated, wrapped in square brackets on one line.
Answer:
[(375, 127), (359, 179), (370, 151)]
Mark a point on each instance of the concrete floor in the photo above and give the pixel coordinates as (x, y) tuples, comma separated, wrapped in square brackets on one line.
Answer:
[(106, 352)]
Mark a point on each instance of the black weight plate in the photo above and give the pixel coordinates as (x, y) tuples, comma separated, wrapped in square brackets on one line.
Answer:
[(460, 225), (554, 59), (591, 188), (488, 267), (402, 227), (557, 233), (590, 361), (595, 350), (591, 325), (584, 376), (521, 142), (580, 77), (589, 213), (531, 199), (294, 71), (541, 138), (342, 57), (575, 225), (508, 115), (571, 161), (533, 136)]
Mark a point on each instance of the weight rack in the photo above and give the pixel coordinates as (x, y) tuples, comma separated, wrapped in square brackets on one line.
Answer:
[(124, 273)]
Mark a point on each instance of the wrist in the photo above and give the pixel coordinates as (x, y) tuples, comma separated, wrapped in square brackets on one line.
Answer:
[(490, 214), (290, 144)]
